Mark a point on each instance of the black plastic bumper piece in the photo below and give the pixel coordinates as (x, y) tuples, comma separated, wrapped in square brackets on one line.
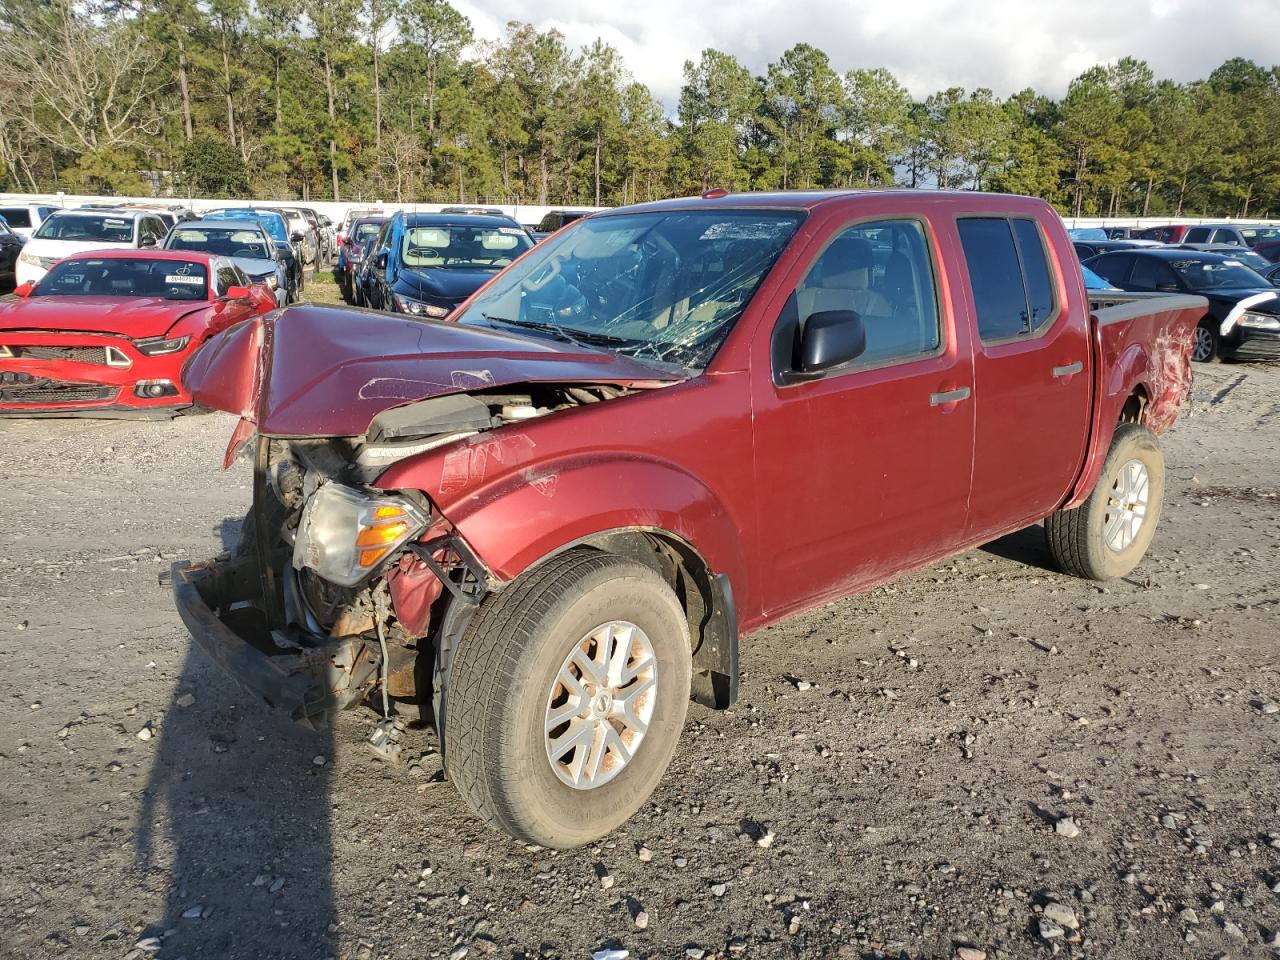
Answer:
[(306, 676)]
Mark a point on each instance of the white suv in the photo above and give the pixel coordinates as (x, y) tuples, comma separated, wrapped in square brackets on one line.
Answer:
[(71, 231), (25, 218)]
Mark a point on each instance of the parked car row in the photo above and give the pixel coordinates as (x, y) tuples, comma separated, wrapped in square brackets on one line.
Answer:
[(1224, 263)]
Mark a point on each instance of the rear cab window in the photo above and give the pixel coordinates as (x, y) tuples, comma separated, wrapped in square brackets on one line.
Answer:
[(1009, 276)]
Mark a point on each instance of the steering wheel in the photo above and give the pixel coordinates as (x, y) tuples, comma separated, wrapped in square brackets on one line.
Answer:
[(246, 253), (538, 281)]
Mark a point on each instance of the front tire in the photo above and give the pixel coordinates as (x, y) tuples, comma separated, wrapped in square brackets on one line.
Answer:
[(1108, 534), (567, 697), (1206, 344)]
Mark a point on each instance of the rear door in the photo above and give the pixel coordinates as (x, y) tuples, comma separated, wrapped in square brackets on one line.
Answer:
[(865, 471), (1032, 371)]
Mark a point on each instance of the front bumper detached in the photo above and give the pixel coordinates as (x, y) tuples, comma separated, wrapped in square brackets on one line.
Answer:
[(308, 676)]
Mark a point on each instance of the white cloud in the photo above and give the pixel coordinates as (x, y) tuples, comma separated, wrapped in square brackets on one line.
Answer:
[(928, 44)]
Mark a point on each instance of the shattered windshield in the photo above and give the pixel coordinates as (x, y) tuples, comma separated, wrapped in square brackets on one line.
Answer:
[(664, 286)]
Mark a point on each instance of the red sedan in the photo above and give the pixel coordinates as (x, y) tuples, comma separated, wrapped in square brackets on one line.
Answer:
[(106, 333)]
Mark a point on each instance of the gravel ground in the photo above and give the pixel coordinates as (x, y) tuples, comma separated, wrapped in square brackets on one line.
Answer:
[(984, 755)]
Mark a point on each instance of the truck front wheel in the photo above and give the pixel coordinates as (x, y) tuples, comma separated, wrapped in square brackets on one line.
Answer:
[(567, 696), (1108, 534)]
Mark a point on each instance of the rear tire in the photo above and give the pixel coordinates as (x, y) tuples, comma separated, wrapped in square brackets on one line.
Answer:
[(508, 690), (1108, 534)]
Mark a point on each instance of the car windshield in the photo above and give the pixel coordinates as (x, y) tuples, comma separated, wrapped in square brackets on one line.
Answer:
[(365, 230), (120, 277), (273, 223), (98, 228), (459, 246), (1087, 233), (655, 286), (1211, 274), (1256, 235), (225, 241)]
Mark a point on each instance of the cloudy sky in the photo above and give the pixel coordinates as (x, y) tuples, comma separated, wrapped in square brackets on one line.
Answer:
[(928, 44)]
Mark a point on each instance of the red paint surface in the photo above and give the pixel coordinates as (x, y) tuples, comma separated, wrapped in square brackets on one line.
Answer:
[(100, 321)]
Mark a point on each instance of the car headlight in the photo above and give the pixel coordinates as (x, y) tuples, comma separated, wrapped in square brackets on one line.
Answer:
[(271, 281), (32, 260), (344, 534), (419, 309), (1259, 321), (157, 346)]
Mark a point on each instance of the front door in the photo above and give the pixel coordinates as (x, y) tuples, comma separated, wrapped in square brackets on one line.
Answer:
[(865, 472)]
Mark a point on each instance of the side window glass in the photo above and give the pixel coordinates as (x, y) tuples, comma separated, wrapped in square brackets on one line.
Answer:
[(1150, 274), (1114, 268), (226, 280), (1035, 271), (1226, 236), (882, 272), (1198, 235), (996, 277)]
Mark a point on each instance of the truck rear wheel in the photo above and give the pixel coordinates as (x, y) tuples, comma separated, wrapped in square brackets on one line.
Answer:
[(1108, 534), (567, 696)]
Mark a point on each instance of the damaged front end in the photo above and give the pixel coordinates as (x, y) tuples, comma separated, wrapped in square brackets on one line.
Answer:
[(335, 587)]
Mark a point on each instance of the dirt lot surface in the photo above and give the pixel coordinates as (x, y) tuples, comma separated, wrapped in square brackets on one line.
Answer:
[(986, 754)]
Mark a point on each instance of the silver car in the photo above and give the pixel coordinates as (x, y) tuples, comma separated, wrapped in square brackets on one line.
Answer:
[(244, 241)]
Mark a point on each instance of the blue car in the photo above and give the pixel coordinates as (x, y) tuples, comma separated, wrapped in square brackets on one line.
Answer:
[(428, 263)]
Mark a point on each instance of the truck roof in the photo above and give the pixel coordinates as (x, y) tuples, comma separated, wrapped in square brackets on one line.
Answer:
[(816, 199)]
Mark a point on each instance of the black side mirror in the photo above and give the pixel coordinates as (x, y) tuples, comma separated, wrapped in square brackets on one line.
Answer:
[(382, 258), (295, 237), (830, 338)]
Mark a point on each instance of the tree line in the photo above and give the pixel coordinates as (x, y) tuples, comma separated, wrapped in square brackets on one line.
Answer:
[(399, 100)]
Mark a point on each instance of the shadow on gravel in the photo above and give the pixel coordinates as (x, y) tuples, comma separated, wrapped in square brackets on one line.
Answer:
[(234, 824), (1025, 546)]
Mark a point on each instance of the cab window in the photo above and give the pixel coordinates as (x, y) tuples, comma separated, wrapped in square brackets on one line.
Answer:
[(882, 272), (1009, 275), (1152, 274)]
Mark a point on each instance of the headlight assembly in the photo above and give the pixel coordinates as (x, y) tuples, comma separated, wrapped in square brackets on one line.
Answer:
[(32, 260), (419, 309), (1259, 321), (344, 534), (157, 346)]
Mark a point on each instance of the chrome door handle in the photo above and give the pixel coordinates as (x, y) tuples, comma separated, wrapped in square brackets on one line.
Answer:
[(949, 396), (1069, 369)]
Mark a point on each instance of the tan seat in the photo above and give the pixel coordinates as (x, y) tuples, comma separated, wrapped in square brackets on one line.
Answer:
[(841, 280)]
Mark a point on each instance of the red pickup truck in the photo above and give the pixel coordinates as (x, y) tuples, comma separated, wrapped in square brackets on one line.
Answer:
[(551, 519)]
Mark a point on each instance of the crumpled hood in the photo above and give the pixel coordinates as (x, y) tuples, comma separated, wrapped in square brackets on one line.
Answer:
[(318, 371), (133, 317), (452, 285)]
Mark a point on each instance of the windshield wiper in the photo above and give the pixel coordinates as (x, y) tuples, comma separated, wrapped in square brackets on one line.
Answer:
[(580, 338)]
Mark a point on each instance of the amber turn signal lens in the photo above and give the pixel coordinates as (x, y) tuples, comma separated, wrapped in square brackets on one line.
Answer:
[(388, 531), (371, 556)]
